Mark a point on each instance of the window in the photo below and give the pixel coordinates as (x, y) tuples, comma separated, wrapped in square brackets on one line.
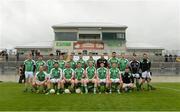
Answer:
[(65, 36), (113, 36), (89, 36)]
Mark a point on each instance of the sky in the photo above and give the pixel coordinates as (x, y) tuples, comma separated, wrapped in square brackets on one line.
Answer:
[(149, 21)]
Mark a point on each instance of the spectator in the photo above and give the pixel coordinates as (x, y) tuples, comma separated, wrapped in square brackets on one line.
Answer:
[(170, 58), (32, 52), (174, 58), (21, 74), (17, 56), (56, 52), (166, 58), (36, 52), (7, 57)]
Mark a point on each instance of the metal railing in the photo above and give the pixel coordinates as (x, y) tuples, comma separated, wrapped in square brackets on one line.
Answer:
[(158, 68)]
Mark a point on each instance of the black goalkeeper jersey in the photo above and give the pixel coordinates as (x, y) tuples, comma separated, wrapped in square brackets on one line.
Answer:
[(127, 78), (102, 60), (145, 65), (134, 66)]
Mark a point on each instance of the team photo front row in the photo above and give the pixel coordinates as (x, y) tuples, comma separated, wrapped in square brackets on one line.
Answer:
[(101, 76)]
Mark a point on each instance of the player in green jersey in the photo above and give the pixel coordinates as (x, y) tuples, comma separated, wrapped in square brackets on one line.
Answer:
[(50, 63), (56, 77), (40, 62), (81, 60), (115, 78), (113, 59), (40, 79), (29, 68), (102, 74), (123, 63), (91, 60), (91, 77), (61, 62), (72, 62), (79, 76), (68, 77)]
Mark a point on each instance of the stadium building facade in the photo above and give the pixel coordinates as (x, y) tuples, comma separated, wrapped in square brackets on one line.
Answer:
[(89, 37)]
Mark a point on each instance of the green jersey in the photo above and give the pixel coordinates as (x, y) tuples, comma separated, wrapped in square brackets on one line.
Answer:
[(102, 72), (83, 63), (90, 71), (72, 64), (61, 64), (41, 76), (123, 64), (91, 60), (68, 73), (29, 65), (50, 65), (56, 73), (79, 72), (40, 63), (114, 73), (113, 60)]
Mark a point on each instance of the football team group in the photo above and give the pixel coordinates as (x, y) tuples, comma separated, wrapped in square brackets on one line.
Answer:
[(116, 74)]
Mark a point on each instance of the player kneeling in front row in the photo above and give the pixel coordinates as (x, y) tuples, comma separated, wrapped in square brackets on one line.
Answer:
[(40, 80), (102, 78), (79, 78), (128, 80), (115, 78), (68, 78), (55, 81), (91, 78)]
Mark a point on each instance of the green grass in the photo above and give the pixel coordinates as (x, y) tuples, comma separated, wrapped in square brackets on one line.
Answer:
[(166, 97)]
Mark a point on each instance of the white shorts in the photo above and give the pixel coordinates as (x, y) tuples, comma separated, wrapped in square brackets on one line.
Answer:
[(55, 80), (48, 76), (90, 79), (127, 85), (146, 74), (102, 80), (68, 80), (39, 82), (115, 80), (28, 74), (136, 75)]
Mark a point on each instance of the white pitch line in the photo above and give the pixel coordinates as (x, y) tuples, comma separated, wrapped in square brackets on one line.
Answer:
[(168, 88)]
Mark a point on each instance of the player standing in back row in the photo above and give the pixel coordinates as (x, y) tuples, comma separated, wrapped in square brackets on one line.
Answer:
[(91, 60), (50, 63), (134, 67), (113, 59), (61, 62), (40, 62), (81, 60), (72, 62), (123, 63), (29, 68), (145, 66)]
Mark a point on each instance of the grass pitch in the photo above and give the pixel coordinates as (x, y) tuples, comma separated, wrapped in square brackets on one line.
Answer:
[(166, 97)]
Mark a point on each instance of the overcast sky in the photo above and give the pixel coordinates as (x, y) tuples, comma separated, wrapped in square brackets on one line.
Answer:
[(153, 21)]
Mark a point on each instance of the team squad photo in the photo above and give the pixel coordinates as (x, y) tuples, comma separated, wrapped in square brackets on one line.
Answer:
[(89, 55), (116, 74)]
